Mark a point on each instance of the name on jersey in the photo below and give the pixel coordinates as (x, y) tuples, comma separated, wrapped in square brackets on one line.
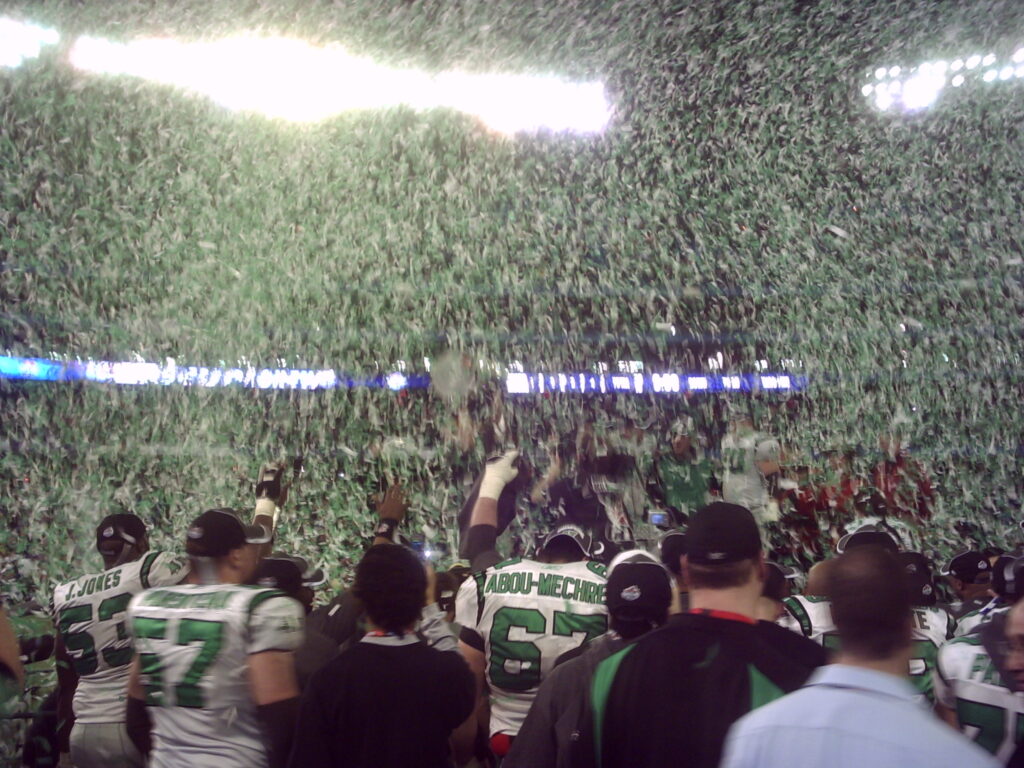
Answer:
[(99, 583), (162, 599), (545, 585)]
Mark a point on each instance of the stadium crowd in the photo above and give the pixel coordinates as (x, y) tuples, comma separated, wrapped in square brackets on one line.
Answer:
[(664, 619)]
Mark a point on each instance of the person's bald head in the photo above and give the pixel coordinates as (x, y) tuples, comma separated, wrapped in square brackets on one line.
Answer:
[(817, 579)]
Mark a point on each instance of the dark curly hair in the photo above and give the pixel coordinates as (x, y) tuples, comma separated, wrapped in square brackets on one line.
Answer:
[(390, 583)]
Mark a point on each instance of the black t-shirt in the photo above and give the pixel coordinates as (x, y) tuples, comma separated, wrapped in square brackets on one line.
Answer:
[(380, 705), (670, 698)]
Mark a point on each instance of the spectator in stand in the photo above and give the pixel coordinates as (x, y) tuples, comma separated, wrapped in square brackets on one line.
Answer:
[(976, 686), (389, 701), (840, 497), (232, 703), (901, 481), (682, 480), (670, 697), (294, 577), (638, 596), (970, 576), (12, 673), (859, 711), (519, 616), (673, 548)]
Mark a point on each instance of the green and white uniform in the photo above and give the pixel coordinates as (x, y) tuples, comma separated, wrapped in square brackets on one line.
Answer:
[(194, 643), (967, 682), (812, 618), (90, 614), (743, 482), (932, 628), (523, 615), (970, 621)]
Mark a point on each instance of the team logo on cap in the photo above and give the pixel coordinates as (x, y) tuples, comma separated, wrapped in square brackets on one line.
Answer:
[(195, 532), (926, 590), (911, 568), (631, 593), (716, 555), (267, 581), (108, 532), (982, 565)]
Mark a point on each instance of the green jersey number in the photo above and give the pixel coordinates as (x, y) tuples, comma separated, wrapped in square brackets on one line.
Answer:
[(86, 661), (990, 721), (922, 662), (187, 692), (515, 664)]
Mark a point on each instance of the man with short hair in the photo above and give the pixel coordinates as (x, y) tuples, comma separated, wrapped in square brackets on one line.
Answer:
[(520, 615), (638, 596), (389, 701), (670, 697), (861, 710), (213, 657), (93, 648)]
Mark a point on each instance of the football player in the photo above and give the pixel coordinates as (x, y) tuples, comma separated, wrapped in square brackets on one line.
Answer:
[(978, 677), (810, 614), (520, 615), (932, 625), (93, 648), (214, 657)]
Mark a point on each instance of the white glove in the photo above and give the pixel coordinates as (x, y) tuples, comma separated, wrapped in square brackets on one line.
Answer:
[(498, 474)]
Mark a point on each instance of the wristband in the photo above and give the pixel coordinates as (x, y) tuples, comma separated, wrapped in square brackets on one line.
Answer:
[(386, 528)]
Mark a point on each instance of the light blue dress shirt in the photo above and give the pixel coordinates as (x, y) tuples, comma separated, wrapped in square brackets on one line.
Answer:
[(849, 717)]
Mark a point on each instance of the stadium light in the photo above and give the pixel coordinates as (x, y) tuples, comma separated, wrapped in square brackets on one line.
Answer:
[(20, 41), (296, 81)]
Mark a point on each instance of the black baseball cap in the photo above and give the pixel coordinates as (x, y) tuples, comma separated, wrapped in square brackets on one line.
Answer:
[(868, 536), (722, 533), (288, 573), (584, 539), (673, 546), (969, 566), (776, 582), (219, 531), (1008, 578), (124, 527), (639, 588), (920, 586)]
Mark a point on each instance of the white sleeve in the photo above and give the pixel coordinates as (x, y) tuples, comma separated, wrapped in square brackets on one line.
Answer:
[(435, 629), (163, 569), (275, 622), (942, 677), (467, 602)]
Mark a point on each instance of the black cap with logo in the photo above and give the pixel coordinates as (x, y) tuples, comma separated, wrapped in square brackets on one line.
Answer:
[(219, 531), (639, 588), (970, 566), (722, 533), (124, 527)]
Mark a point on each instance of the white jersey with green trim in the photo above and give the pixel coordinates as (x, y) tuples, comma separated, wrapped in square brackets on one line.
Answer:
[(194, 643), (932, 628), (742, 482), (970, 621), (527, 614), (811, 617), (967, 682), (90, 616)]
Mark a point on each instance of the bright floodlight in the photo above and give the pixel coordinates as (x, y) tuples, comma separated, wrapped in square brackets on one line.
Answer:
[(990, 75), (957, 65), (883, 99), (922, 90), (989, 60), (1006, 73), (296, 81), (867, 89), (939, 67), (973, 61), (20, 41), (1018, 56), (958, 80), (895, 86), (894, 71), (880, 73), (1020, 71)]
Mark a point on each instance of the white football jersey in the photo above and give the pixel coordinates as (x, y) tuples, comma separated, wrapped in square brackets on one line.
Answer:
[(932, 627), (194, 643), (812, 618), (967, 682), (528, 614), (969, 621), (90, 615)]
